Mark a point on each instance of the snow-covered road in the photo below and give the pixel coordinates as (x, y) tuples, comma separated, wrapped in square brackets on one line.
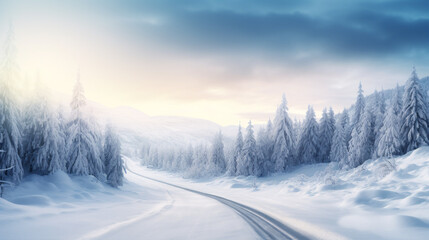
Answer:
[(62, 207), (265, 226), (186, 216)]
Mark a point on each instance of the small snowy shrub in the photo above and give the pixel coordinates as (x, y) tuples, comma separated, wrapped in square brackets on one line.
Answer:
[(330, 180), (388, 166)]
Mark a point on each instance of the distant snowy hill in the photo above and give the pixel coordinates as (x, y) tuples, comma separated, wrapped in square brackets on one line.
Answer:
[(138, 129)]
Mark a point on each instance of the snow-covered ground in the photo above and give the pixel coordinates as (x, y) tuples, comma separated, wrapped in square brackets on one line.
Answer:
[(63, 207), (379, 200)]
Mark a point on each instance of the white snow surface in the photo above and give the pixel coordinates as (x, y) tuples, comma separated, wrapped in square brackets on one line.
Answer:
[(378, 200), (382, 199), (63, 207)]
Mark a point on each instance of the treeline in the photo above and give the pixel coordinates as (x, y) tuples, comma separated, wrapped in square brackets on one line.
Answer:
[(371, 128), (38, 138)]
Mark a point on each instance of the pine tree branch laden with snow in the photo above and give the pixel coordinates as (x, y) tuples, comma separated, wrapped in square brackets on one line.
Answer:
[(339, 151), (326, 134)]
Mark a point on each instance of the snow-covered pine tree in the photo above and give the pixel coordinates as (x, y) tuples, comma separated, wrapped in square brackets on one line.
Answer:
[(179, 158), (354, 154), (61, 123), (173, 155), (390, 132), (153, 157), (187, 160), (114, 165), (95, 159), (270, 128), (397, 103), (259, 150), (83, 148), (271, 137), (308, 146), (353, 158), (358, 107), (10, 137), (284, 145), (144, 153), (363, 137), (331, 116), (326, 133), (391, 136), (345, 120), (414, 115), (238, 146), (161, 162), (379, 110), (166, 157), (44, 140), (217, 164), (389, 143), (247, 163), (250, 151), (332, 122), (27, 127), (339, 151), (297, 130), (265, 149), (200, 159), (243, 164), (357, 114), (56, 138), (367, 135), (10, 134), (34, 118)]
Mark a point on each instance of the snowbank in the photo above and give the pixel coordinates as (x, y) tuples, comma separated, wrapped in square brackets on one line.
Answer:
[(60, 206)]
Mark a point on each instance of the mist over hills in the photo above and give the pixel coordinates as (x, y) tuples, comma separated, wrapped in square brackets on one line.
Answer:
[(138, 129)]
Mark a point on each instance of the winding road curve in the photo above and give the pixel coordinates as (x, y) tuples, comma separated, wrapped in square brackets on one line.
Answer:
[(265, 226)]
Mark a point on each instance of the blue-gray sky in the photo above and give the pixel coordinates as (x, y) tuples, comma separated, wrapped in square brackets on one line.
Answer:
[(221, 60)]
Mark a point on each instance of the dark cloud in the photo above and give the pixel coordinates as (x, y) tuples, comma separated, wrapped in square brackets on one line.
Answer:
[(286, 28), (271, 28), (403, 7)]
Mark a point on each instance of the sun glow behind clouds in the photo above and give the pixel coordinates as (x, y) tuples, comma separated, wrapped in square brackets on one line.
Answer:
[(208, 60)]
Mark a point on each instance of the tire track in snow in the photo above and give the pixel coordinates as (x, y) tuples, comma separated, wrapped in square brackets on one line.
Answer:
[(106, 229), (264, 225)]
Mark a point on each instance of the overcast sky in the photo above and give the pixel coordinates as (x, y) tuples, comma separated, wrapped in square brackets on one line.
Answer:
[(225, 61)]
